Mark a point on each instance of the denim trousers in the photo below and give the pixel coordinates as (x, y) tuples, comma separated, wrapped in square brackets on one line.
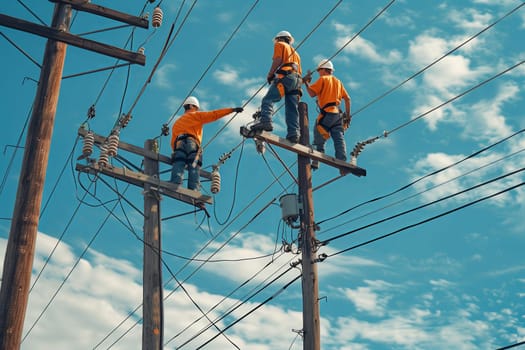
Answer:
[(290, 83), (184, 155), (332, 122)]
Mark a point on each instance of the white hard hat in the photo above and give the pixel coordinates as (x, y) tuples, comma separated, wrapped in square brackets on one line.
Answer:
[(327, 64), (191, 100), (284, 33)]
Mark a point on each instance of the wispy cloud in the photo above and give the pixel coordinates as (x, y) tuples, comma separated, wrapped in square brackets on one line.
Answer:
[(162, 77), (363, 47)]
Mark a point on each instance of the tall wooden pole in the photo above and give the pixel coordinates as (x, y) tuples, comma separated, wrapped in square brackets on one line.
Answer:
[(310, 283), (152, 310), (18, 262)]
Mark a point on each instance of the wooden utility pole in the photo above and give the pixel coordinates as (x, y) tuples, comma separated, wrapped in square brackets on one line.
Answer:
[(152, 312), (18, 263), (307, 240), (310, 282), (152, 303), (19, 255)]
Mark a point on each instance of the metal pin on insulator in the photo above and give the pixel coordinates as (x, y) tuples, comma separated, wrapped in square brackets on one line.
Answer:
[(112, 147), (165, 131), (103, 160), (89, 141), (156, 19), (91, 112), (215, 181), (124, 120), (260, 146)]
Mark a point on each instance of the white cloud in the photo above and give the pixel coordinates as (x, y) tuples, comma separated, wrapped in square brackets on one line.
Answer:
[(250, 246), (470, 19), (162, 76), (362, 47), (368, 298), (433, 187), (490, 122), (102, 291)]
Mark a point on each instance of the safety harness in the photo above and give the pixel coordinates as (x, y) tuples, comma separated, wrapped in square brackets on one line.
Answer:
[(189, 157), (325, 130), (283, 72)]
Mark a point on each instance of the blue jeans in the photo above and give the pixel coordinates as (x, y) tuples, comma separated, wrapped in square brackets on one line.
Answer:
[(290, 83), (184, 155), (333, 123)]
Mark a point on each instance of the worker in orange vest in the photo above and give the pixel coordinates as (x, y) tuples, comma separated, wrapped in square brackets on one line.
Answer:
[(284, 78), (186, 138), (331, 120)]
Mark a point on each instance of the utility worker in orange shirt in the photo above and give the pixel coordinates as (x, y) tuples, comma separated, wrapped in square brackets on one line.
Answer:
[(331, 121), (285, 79), (186, 138)]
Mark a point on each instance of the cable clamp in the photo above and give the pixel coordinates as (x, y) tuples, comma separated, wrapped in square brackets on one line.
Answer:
[(295, 263)]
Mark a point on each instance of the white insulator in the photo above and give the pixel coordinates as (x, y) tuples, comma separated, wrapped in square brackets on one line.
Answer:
[(215, 181), (103, 160), (156, 19), (112, 147), (260, 146), (141, 50), (89, 141)]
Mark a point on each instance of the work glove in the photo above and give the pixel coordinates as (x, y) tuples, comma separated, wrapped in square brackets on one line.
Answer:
[(308, 77), (269, 78), (347, 119), (238, 109)]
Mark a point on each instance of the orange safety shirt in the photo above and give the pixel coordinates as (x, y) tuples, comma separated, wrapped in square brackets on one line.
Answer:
[(191, 123), (287, 54), (329, 89)]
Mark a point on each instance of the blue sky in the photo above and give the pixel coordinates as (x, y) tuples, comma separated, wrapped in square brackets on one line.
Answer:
[(428, 73)]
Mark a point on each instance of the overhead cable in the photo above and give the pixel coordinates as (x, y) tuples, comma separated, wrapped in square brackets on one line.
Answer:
[(216, 57), (437, 60), (428, 219), (402, 188), (251, 311), (425, 205), (455, 98)]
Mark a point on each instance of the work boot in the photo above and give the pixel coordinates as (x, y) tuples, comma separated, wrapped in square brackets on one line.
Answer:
[(293, 139), (266, 126)]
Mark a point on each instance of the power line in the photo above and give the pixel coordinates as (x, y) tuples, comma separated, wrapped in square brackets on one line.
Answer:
[(428, 219), (216, 56), (512, 345), (163, 53), (21, 50), (18, 142), (363, 29), (256, 198), (425, 205), (264, 84), (251, 311), (220, 302), (426, 190), (456, 97), (70, 272), (437, 60), (233, 308), (402, 188)]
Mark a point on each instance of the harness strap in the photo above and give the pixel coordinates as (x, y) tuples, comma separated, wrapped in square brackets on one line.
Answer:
[(289, 71), (295, 92)]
